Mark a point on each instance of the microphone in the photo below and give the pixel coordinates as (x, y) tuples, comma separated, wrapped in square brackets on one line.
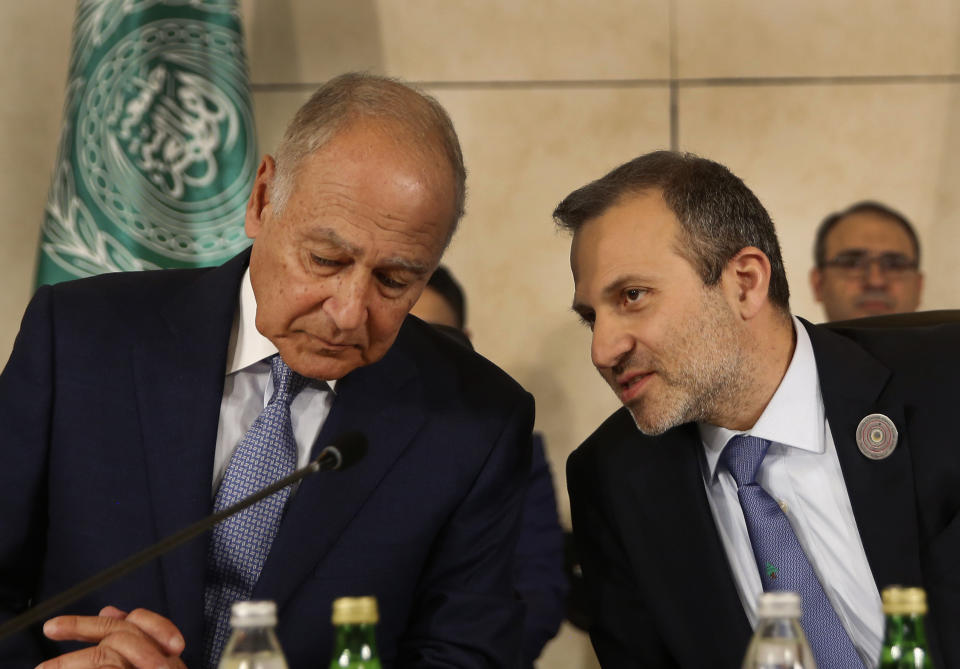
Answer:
[(347, 450)]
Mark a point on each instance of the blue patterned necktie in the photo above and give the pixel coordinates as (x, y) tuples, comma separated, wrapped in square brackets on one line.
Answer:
[(781, 560), (239, 545)]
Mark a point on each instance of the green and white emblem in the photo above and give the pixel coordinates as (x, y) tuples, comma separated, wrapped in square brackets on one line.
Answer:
[(157, 151)]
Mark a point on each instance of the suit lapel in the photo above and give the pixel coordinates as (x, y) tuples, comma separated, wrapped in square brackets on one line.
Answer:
[(673, 513), (382, 401), (179, 370), (854, 385)]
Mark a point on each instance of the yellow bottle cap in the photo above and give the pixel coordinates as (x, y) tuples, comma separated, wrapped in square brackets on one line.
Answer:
[(914, 601), (355, 610), (900, 601), (892, 597)]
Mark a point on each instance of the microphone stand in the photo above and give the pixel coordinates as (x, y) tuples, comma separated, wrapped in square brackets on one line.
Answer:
[(57, 602)]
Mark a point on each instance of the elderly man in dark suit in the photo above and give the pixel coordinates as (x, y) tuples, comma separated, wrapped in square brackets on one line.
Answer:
[(754, 451), (134, 404)]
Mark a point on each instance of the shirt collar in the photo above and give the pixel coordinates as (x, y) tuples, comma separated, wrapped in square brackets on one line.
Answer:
[(247, 345), (793, 417)]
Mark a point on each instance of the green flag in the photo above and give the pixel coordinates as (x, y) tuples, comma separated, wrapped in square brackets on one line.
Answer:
[(157, 152)]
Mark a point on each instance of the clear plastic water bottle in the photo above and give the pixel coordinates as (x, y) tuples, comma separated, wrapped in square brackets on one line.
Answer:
[(253, 642), (779, 641)]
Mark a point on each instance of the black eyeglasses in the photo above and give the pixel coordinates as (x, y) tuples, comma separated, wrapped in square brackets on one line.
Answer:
[(856, 264)]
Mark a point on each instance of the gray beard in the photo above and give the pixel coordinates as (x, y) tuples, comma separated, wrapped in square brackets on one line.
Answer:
[(709, 378)]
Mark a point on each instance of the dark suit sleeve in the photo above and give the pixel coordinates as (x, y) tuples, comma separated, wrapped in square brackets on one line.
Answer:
[(622, 630), (943, 591), (538, 573), (466, 615), (25, 399)]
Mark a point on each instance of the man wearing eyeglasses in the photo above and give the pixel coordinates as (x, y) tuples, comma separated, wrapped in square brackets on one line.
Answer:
[(867, 261)]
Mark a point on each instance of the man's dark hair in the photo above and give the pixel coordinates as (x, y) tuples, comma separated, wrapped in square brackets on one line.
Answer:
[(718, 214), (449, 289), (864, 207)]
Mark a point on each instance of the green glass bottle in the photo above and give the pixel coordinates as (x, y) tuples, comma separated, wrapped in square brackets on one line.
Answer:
[(355, 643), (892, 597), (905, 638)]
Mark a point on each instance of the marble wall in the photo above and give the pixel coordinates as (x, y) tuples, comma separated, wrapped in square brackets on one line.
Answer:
[(813, 104)]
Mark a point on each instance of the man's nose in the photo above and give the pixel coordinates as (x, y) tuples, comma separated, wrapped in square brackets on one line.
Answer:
[(611, 342), (348, 306), (874, 275)]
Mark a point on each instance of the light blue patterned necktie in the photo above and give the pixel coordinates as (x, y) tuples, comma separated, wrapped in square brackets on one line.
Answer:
[(239, 545), (782, 562)]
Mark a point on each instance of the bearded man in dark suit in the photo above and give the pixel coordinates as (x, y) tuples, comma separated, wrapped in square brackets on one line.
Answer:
[(754, 451)]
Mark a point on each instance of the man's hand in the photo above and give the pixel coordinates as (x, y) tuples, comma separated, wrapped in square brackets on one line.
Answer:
[(140, 639)]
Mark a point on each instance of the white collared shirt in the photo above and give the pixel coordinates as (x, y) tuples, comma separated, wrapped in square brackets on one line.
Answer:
[(248, 387), (802, 472)]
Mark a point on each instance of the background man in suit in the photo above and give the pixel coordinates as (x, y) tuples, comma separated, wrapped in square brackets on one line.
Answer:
[(131, 400), (732, 406), (538, 568), (866, 263)]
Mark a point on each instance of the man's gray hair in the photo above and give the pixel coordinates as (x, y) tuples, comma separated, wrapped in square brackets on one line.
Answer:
[(354, 96)]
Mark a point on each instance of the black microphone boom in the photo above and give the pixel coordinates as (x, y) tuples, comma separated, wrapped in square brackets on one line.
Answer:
[(345, 452)]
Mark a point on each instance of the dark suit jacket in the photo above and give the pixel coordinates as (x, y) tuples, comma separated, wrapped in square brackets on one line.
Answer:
[(661, 589), (108, 416), (538, 572), (539, 575)]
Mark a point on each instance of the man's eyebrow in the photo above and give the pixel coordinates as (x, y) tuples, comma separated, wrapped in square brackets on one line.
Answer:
[(579, 308), (330, 235), (396, 262), (407, 264), (866, 252)]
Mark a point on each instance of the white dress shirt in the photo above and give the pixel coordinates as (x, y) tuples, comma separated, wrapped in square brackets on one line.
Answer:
[(249, 385), (802, 472)]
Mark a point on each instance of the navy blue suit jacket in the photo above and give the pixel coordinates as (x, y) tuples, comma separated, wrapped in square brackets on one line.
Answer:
[(108, 415), (661, 592)]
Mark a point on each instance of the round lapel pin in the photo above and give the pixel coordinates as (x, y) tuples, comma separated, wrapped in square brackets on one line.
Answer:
[(876, 436)]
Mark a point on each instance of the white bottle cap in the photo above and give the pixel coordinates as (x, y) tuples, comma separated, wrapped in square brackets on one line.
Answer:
[(253, 614), (784, 604)]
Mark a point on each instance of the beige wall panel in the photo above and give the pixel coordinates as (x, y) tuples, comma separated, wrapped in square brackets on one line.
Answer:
[(292, 41), (757, 38), (809, 150), (458, 40), (438, 40), (272, 110), (525, 150), (33, 74)]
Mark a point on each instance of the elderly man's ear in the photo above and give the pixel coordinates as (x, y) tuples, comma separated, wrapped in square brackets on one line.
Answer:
[(259, 197)]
